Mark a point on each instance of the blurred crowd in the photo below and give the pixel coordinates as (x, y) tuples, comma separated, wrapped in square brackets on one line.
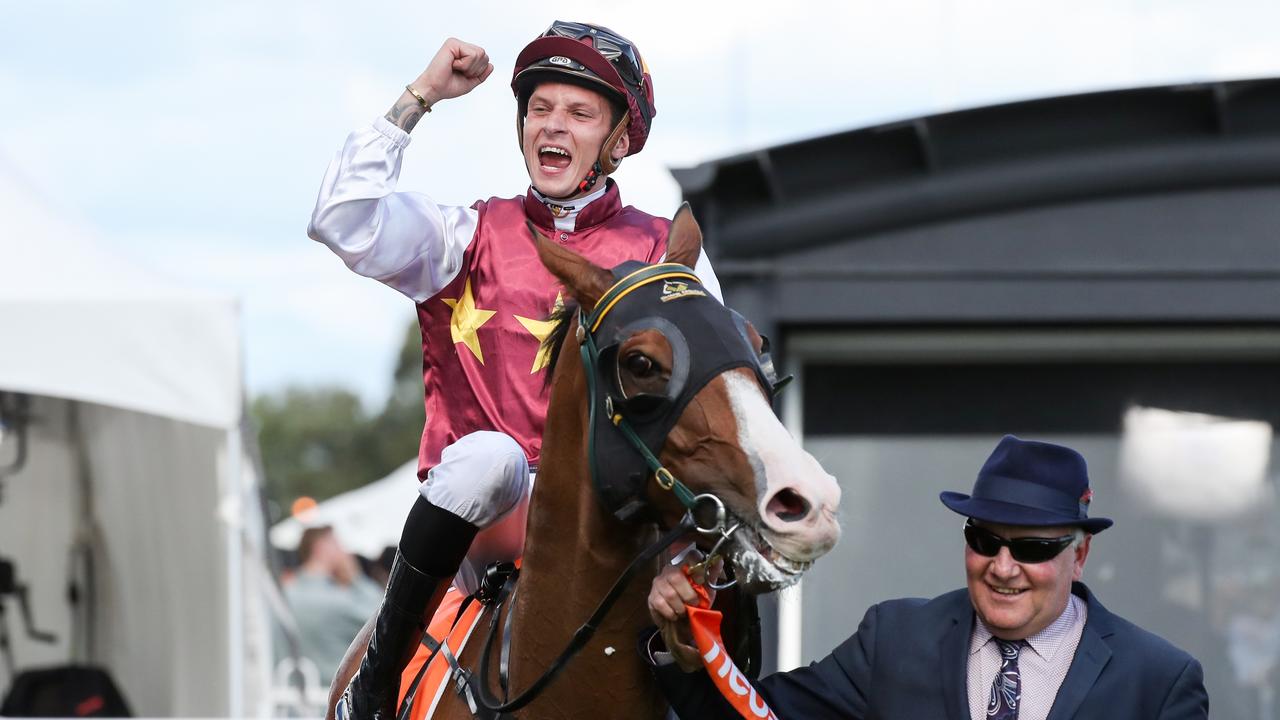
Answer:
[(332, 593)]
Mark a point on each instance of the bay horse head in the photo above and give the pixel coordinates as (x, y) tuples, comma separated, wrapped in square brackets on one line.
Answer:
[(662, 397), (679, 415)]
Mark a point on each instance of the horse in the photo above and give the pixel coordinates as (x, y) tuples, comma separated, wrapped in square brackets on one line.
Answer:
[(676, 372)]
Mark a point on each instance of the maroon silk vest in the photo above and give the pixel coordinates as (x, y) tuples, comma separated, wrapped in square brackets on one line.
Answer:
[(482, 366)]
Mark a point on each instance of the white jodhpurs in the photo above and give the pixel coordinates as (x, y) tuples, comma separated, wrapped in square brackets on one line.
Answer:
[(484, 479)]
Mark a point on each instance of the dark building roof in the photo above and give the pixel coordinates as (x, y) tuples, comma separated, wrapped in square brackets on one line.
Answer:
[(1154, 204), (988, 159)]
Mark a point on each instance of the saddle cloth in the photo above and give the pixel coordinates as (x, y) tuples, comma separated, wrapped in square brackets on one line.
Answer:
[(436, 680)]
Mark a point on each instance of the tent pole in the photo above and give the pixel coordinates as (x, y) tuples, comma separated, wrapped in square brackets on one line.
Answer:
[(790, 604), (235, 571)]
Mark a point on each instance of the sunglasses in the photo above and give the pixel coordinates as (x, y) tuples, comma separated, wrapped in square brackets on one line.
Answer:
[(1024, 550)]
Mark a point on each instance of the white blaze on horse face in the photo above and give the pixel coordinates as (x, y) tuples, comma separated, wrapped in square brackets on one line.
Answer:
[(797, 498)]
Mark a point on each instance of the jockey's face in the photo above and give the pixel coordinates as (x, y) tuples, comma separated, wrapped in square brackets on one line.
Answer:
[(563, 131)]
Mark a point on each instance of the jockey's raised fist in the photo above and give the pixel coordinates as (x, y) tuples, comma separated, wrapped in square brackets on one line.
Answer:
[(457, 68)]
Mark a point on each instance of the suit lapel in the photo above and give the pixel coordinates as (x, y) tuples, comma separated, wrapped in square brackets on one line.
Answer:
[(1092, 655), (954, 656)]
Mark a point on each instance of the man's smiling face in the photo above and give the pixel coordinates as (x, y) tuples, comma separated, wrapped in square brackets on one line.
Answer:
[(564, 128), (1017, 600)]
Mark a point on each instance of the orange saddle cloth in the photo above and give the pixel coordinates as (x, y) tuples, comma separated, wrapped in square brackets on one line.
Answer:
[(435, 682)]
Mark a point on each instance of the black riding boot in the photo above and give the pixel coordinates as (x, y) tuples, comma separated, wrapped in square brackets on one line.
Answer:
[(432, 538)]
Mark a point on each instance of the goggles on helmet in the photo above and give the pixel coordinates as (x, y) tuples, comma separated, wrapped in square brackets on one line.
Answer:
[(613, 47)]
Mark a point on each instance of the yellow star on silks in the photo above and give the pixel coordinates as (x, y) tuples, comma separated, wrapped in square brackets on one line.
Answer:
[(466, 320), (540, 329)]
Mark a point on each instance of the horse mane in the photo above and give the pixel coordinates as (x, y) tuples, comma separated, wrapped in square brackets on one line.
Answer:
[(563, 318)]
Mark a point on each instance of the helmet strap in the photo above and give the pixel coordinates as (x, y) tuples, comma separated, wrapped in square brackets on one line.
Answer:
[(592, 176), (607, 164)]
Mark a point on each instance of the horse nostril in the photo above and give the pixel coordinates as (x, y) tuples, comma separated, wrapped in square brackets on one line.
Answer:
[(788, 506)]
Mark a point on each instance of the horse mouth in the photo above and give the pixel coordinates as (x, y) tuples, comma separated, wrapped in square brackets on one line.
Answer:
[(759, 566)]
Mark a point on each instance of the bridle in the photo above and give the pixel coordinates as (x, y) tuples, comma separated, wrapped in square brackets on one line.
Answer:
[(706, 340), (663, 297)]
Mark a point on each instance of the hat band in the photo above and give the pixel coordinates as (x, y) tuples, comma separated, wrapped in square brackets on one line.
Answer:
[(1029, 494)]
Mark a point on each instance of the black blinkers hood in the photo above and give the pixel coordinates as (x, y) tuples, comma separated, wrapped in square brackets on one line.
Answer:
[(706, 339)]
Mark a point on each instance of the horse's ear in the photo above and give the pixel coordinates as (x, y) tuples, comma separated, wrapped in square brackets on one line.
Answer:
[(684, 241), (585, 281)]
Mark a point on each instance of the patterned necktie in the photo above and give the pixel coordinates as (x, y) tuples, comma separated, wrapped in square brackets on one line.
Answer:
[(1006, 690)]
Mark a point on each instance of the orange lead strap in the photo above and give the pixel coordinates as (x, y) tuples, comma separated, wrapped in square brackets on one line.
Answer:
[(729, 680)]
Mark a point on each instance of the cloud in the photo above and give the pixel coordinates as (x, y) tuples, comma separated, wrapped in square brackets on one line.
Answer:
[(307, 318), (195, 135)]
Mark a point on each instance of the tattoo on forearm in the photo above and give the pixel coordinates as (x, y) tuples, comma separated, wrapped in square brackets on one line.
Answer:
[(405, 113)]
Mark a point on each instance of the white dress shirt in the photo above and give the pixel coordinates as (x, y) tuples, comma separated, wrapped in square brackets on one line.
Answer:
[(1042, 665)]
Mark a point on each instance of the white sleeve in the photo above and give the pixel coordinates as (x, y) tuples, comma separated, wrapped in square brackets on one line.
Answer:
[(707, 275), (402, 239), (703, 270)]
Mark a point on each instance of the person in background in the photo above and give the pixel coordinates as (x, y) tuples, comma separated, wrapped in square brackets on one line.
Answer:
[(330, 597)]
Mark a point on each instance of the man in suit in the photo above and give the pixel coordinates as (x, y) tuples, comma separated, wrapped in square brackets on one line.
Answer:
[(1026, 640)]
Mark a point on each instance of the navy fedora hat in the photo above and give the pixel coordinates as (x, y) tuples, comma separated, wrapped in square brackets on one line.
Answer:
[(1031, 483)]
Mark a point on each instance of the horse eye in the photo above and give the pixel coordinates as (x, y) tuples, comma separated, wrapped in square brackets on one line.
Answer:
[(638, 364)]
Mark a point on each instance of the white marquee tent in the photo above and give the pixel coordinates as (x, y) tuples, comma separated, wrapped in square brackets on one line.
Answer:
[(366, 520), (137, 485)]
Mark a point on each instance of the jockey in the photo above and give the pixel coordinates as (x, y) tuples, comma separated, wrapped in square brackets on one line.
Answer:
[(584, 102)]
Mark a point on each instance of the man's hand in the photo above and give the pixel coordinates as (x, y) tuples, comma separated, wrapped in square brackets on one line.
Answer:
[(668, 596), (457, 68)]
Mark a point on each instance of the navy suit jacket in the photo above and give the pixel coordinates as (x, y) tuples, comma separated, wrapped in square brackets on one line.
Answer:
[(907, 661)]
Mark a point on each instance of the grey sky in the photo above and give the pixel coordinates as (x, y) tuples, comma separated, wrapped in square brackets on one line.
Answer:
[(192, 137)]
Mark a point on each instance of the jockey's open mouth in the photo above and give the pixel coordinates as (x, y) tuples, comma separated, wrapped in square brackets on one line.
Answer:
[(554, 157)]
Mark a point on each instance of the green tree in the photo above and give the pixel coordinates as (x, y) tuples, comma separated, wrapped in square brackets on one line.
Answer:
[(319, 441), (398, 428)]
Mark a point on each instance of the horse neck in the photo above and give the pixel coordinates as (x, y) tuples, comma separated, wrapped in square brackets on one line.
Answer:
[(574, 551), (571, 540)]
